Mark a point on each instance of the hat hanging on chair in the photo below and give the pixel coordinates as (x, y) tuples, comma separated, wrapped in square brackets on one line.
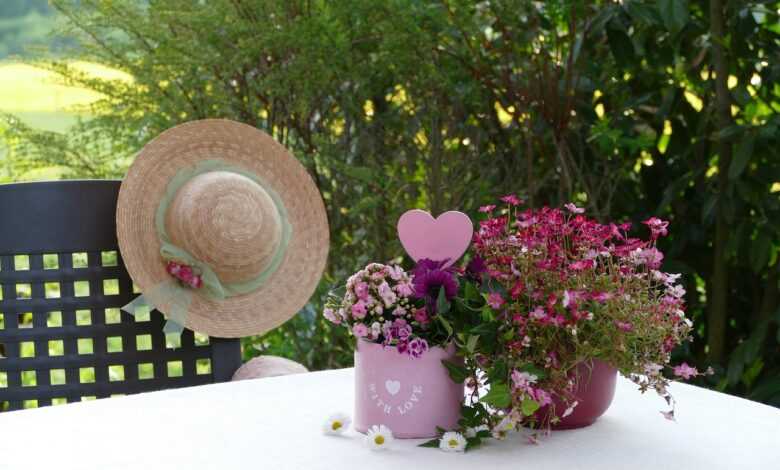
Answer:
[(221, 228)]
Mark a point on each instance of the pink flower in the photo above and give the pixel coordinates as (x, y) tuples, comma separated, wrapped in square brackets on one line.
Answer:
[(399, 311), (657, 227), (624, 326), (581, 265), (574, 209), (361, 290), (360, 330), (488, 208), (523, 380), (538, 313), (511, 199), (600, 297), (331, 316), (396, 272), (184, 273), (359, 310), (542, 396), (421, 315), (404, 289), (495, 300), (685, 371), (387, 294)]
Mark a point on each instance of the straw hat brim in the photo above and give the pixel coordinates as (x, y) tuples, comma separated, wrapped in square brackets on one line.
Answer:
[(289, 288)]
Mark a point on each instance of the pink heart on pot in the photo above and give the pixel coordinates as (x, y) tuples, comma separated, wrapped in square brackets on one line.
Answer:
[(444, 238)]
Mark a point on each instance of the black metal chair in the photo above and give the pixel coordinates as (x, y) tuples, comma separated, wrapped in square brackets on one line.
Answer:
[(62, 335)]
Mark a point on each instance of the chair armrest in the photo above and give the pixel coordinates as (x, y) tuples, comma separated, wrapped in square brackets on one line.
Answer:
[(268, 366)]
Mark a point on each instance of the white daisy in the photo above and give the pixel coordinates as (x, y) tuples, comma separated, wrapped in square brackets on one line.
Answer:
[(379, 437), (336, 424), (452, 442)]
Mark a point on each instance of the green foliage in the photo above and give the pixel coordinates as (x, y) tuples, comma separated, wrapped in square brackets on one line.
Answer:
[(498, 396), (446, 104)]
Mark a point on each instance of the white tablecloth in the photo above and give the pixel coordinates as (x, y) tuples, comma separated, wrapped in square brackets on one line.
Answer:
[(275, 424)]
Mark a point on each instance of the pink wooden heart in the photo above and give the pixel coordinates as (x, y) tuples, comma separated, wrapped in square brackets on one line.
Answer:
[(444, 238)]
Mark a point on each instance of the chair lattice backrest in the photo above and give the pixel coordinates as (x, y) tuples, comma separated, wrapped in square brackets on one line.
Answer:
[(63, 337)]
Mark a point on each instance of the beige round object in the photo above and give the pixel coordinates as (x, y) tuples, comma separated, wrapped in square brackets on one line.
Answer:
[(268, 366), (226, 220)]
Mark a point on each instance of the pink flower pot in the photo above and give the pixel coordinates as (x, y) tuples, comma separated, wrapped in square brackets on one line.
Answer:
[(410, 396), (595, 391)]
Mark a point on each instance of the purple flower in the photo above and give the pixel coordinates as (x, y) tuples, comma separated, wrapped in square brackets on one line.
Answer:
[(475, 268), (398, 329), (417, 347), (429, 278)]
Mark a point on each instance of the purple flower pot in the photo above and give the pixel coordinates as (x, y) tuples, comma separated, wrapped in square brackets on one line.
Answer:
[(410, 396), (595, 391)]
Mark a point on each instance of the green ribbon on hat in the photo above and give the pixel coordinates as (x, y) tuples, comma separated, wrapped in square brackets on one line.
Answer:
[(176, 297)]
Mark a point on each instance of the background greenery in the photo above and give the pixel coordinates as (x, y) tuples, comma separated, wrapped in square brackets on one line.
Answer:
[(631, 108)]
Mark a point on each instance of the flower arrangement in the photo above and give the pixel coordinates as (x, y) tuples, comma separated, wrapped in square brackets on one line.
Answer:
[(546, 294), (385, 304), (552, 290)]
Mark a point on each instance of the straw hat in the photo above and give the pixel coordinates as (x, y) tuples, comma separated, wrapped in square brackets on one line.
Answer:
[(244, 212)]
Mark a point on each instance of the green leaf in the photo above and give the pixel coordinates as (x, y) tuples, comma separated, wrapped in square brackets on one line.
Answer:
[(736, 365), (674, 14), (640, 12), (471, 293), (445, 324), (432, 443), (498, 396), (471, 344), (742, 156), (442, 304), (529, 407), (760, 251), (499, 371), (728, 132), (473, 442), (487, 314), (458, 373), (621, 46)]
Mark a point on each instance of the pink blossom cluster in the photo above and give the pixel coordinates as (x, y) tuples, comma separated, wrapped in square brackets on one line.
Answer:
[(568, 287), (378, 306), (184, 273)]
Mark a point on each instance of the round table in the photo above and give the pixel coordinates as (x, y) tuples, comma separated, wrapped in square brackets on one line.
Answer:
[(275, 423)]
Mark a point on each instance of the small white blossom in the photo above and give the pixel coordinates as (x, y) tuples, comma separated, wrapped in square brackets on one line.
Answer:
[(452, 442), (336, 424), (379, 437)]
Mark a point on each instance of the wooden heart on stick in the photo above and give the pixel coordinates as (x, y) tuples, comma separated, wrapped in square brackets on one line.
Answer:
[(444, 238)]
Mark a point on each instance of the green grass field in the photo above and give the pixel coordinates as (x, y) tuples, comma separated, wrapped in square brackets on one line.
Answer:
[(42, 101)]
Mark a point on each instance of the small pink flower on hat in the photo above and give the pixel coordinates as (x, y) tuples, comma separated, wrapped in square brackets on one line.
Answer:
[(184, 273)]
